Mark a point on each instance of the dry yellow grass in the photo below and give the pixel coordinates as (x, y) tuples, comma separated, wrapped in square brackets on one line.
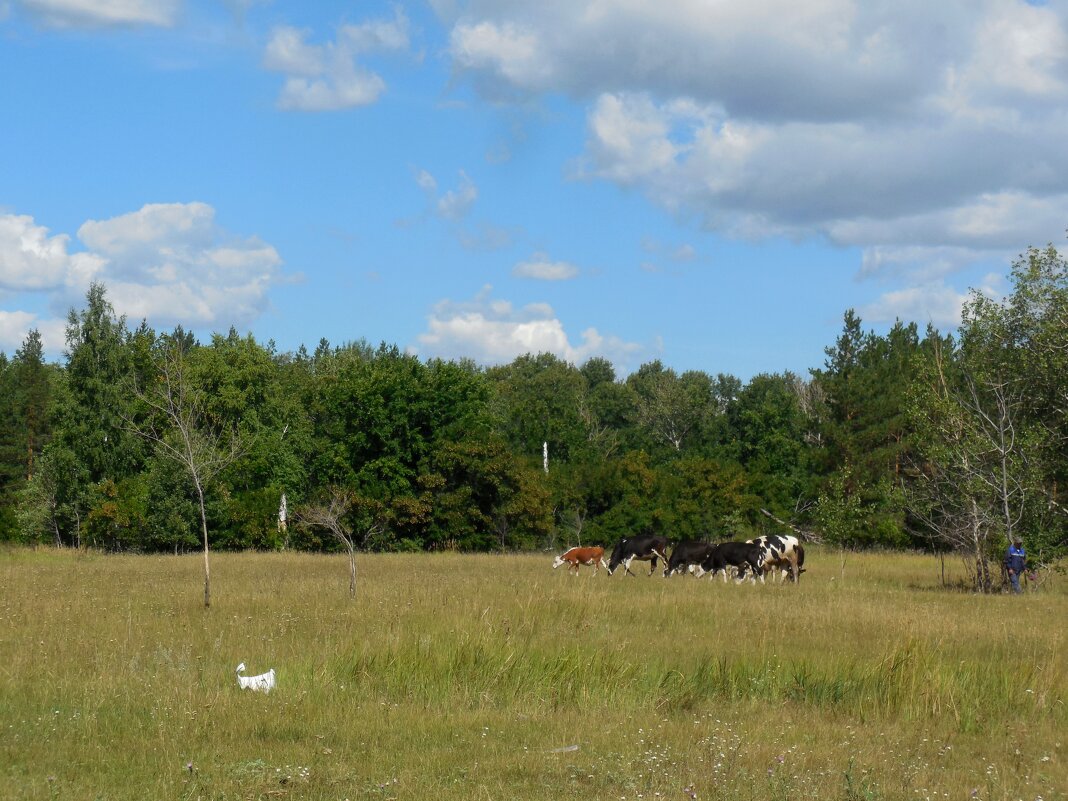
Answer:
[(462, 677)]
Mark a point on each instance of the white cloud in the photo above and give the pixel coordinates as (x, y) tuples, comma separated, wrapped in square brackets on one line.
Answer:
[(288, 52), (30, 259), (1020, 48), (14, 326), (327, 77), (990, 190), (937, 127), (168, 262), (630, 139), (817, 59), (454, 206), (513, 53), (934, 302), (103, 13), (541, 267), (494, 332), (455, 203), (427, 182)]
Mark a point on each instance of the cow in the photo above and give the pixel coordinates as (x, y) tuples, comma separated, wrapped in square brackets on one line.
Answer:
[(740, 555), (785, 567), (686, 555), (593, 555), (781, 555), (645, 547)]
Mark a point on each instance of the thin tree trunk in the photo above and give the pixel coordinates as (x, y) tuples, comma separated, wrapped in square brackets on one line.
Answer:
[(55, 528), (204, 529), (352, 571)]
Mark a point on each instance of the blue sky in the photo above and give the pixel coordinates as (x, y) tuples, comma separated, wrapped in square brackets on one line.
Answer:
[(711, 184)]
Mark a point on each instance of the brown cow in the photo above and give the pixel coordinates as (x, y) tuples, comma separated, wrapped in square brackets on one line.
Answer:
[(593, 555)]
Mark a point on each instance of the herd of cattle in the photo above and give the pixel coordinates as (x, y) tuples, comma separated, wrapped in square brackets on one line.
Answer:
[(780, 555)]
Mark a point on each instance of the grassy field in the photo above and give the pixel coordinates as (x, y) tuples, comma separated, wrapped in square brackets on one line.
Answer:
[(494, 677)]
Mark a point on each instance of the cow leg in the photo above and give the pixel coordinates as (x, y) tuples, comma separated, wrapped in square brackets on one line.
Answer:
[(656, 554), (626, 565)]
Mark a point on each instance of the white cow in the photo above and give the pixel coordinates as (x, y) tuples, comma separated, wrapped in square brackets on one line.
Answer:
[(780, 554)]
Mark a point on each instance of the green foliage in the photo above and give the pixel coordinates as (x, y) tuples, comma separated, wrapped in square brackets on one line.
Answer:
[(97, 402), (841, 518), (672, 410), (26, 411), (768, 430), (450, 454), (990, 415), (704, 499), (538, 399)]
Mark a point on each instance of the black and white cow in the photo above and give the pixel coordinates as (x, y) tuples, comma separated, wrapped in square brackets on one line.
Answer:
[(687, 554), (781, 555), (740, 555), (644, 548)]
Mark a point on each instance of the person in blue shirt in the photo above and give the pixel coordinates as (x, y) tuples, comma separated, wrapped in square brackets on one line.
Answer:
[(1015, 560)]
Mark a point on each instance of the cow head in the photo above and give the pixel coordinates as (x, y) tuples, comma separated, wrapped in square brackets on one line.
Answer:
[(617, 556), (558, 561)]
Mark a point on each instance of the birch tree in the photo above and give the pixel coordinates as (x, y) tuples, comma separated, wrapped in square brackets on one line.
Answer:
[(179, 426), (976, 470)]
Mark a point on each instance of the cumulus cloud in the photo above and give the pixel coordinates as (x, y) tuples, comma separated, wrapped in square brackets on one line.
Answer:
[(815, 60), (13, 328), (103, 13), (936, 127), (493, 331), (169, 263), (541, 267), (327, 77), (934, 302), (31, 259)]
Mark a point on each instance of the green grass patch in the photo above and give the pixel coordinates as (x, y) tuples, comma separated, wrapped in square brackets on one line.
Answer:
[(460, 677)]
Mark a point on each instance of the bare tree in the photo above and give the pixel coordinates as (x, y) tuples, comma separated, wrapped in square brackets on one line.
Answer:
[(812, 400), (333, 512), (181, 428), (970, 481), (805, 535)]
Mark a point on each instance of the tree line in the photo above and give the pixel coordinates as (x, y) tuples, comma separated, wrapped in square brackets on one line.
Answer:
[(150, 441)]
